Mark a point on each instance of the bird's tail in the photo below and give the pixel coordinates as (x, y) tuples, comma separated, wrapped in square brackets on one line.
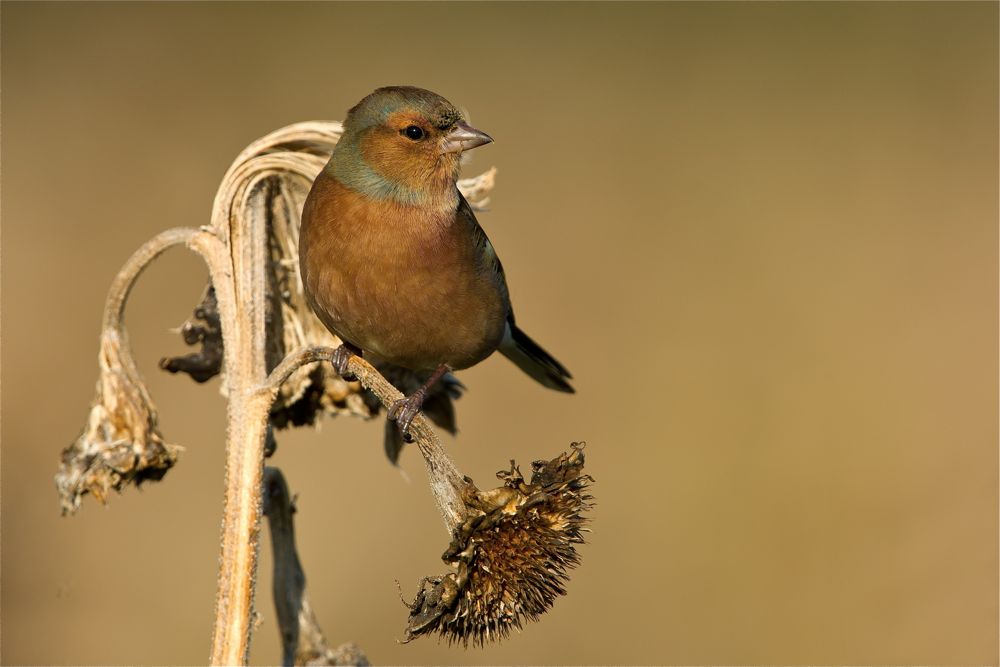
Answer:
[(534, 361)]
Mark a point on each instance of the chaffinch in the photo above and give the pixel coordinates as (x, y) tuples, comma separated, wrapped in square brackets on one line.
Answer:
[(393, 260)]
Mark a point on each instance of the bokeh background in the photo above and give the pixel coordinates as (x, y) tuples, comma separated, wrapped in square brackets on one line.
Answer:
[(763, 236)]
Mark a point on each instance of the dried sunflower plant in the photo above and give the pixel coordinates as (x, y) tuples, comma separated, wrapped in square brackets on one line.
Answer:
[(510, 547)]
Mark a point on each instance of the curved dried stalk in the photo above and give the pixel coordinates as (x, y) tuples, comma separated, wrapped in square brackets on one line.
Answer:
[(121, 443), (239, 218)]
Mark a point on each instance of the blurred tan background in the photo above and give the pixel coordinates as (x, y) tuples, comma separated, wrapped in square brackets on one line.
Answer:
[(762, 236)]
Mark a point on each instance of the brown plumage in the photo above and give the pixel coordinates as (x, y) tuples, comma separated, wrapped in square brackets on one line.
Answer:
[(417, 297), (393, 260)]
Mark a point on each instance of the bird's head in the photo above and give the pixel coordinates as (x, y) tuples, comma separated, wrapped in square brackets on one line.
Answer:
[(404, 143)]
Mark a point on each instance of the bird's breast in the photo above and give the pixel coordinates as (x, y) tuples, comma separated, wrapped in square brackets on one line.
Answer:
[(406, 283)]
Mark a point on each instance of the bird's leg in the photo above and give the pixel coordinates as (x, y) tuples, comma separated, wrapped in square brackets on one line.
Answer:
[(405, 409), (340, 358)]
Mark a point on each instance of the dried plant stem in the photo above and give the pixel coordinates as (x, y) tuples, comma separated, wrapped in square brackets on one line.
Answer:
[(248, 411), (241, 300), (302, 639), (445, 478), (240, 530), (238, 277), (289, 579), (122, 284), (235, 249)]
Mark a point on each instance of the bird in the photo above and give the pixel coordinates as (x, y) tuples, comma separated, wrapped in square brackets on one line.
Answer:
[(392, 258)]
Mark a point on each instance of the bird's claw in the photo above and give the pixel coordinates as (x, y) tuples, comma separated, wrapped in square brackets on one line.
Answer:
[(341, 359), (404, 410)]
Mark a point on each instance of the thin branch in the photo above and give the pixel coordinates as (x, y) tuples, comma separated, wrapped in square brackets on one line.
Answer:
[(292, 363), (445, 478)]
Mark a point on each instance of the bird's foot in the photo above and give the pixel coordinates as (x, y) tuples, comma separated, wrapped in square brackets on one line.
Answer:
[(405, 409), (341, 359)]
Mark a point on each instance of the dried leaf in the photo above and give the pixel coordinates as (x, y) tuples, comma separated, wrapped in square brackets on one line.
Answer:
[(202, 329)]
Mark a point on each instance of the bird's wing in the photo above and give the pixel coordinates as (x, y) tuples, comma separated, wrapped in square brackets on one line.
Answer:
[(488, 255), (516, 345)]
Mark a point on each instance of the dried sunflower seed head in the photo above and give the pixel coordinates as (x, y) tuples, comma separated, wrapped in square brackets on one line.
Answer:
[(120, 444), (512, 554)]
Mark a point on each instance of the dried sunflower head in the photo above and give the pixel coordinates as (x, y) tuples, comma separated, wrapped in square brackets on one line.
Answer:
[(121, 443), (512, 554)]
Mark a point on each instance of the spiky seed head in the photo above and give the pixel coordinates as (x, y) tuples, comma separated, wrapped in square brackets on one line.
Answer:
[(511, 556)]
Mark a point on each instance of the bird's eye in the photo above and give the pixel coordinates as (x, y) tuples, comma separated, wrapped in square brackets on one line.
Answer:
[(413, 132)]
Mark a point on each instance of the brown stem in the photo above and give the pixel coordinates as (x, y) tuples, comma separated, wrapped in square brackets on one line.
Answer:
[(302, 639), (238, 275), (289, 579)]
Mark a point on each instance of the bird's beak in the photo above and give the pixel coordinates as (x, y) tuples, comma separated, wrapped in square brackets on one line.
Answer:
[(462, 138)]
